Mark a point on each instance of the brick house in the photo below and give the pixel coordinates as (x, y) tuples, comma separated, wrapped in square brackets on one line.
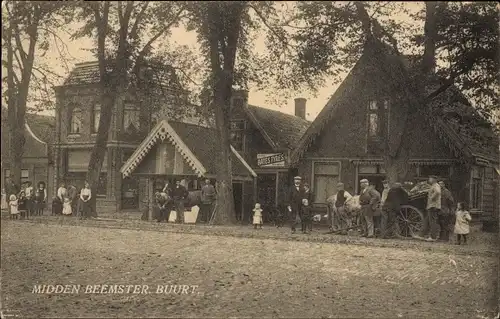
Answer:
[(77, 121), (37, 165), (449, 140)]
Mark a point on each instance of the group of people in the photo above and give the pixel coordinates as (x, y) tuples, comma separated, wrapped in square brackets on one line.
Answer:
[(68, 201), (25, 201), (175, 197), (378, 213)]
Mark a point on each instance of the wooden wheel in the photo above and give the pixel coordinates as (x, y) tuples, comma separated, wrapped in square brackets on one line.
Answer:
[(410, 221)]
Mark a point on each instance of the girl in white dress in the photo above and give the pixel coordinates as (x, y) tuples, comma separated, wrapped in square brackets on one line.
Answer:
[(257, 216), (14, 211), (463, 218), (67, 206)]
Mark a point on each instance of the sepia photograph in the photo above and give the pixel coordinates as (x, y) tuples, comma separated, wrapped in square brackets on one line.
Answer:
[(250, 159)]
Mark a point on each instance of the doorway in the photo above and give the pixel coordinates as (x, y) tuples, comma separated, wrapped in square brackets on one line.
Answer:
[(238, 200), (266, 191)]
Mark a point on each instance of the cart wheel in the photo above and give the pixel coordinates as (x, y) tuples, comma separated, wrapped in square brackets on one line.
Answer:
[(410, 221)]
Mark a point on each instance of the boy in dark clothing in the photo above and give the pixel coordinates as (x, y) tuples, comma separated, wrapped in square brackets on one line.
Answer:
[(306, 216)]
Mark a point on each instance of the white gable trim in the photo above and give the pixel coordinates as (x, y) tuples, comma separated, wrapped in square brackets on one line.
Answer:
[(243, 161), (162, 131)]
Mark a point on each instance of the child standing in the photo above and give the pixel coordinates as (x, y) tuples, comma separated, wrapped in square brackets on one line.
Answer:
[(306, 217), (14, 211), (257, 216), (463, 218), (67, 207)]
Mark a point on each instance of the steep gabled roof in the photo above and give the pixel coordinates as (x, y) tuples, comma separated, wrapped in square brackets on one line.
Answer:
[(195, 143), (39, 131), (281, 130), (450, 114)]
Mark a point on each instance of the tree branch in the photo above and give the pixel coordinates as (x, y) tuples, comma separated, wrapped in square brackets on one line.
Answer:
[(135, 26), (280, 37)]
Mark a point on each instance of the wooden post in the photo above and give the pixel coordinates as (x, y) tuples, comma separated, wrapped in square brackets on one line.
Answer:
[(150, 198)]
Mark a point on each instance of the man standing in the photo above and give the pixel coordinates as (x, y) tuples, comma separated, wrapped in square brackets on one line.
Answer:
[(395, 197), (429, 229), (295, 196), (179, 193), (207, 200), (446, 213), (340, 218), (369, 199)]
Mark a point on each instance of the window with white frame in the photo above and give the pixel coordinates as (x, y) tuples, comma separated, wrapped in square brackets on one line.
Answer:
[(476, 188), (76, 121), (96, 117), (326, 176), (237, 135)]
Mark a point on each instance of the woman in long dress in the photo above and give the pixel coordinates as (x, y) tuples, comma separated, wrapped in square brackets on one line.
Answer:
[(85, 197)]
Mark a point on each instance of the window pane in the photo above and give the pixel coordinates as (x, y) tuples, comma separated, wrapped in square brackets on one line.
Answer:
[(76, 121), (96, 117), (326, 168), (476, 172), (386, 104), (237, 140), (368, 169), (25, 173), (101, 186), (476, 193), (373, 105), (324, 187), (131, 119), (381, 169), (237, 102), (373, 125)]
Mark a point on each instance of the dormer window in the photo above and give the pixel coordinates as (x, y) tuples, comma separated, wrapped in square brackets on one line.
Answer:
[(76, 121), (96, 117)]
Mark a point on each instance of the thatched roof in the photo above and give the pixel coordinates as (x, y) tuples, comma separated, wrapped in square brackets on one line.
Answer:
[(450, 114), (38, 132)]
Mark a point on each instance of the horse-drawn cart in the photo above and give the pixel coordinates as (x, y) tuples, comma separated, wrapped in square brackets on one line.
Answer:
[(411, 216)]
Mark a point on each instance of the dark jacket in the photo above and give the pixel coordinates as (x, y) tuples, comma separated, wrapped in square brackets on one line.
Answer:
[(179, 193), (447, 202), (396, 197), (295, 198)]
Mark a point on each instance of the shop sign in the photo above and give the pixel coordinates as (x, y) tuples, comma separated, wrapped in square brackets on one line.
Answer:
[(271, 160)]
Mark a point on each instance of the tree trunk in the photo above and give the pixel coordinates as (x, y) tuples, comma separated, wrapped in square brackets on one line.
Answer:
[(430, 36)]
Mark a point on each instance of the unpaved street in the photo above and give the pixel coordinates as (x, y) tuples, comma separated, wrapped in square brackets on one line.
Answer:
[(235, 277)]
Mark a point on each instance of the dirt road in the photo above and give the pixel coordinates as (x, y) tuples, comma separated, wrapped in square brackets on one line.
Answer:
[(231, 277)]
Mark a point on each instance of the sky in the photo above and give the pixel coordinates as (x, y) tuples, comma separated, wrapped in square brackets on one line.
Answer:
[(78, 52)]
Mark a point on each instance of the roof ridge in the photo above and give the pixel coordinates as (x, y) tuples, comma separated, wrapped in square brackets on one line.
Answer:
[(283, 113)]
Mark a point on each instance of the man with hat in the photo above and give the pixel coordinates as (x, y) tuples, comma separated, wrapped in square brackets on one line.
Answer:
[(295, 196), (369, 199), (446, 214), (430, 227)]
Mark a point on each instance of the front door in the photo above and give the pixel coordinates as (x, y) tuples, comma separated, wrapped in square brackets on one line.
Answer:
[(266, 191)]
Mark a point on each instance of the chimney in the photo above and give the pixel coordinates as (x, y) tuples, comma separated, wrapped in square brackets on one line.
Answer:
[(300, 107), (239, 98)]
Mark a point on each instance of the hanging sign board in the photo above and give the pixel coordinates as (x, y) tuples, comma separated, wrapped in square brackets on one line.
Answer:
[(271, 160)]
